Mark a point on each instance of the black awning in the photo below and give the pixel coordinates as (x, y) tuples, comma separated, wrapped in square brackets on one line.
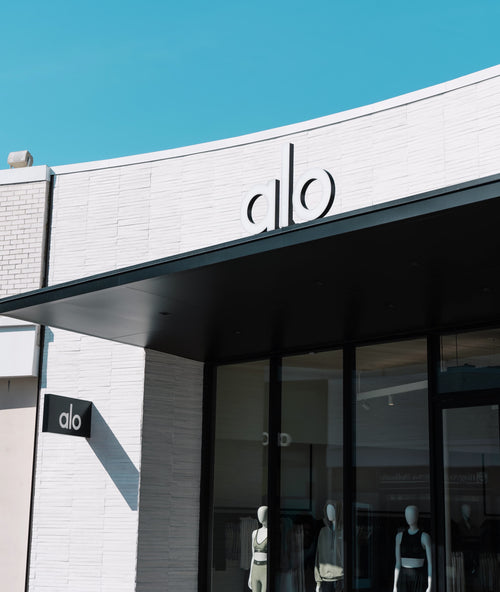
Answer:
[(423, 263)]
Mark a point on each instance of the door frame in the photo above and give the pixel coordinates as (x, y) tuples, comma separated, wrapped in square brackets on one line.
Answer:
[(440, 403)]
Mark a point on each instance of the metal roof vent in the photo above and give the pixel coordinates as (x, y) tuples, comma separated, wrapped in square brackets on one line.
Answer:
[(20, 159)]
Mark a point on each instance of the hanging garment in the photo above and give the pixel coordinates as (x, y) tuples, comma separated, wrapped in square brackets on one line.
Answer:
[(329, 556), (247, 526)]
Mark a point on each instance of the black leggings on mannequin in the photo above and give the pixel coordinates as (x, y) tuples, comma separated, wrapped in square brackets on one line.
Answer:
[(337, 586), (412, 579)]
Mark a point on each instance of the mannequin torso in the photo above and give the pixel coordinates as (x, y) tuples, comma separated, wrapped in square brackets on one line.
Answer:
[(257, 579), (413, 547)]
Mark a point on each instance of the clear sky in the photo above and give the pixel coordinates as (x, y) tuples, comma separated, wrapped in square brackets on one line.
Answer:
[(87, 80)]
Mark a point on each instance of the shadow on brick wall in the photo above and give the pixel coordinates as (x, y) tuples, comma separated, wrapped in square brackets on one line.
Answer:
[(114, 459), (48, 338)]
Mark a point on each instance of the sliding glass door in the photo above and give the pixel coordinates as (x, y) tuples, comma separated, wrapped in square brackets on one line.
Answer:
[(278, 476), (311, 474), (471, 476), (240, 472), (391, 455)]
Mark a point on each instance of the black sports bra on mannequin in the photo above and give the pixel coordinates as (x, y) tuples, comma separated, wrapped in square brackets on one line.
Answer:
[(411, 545)]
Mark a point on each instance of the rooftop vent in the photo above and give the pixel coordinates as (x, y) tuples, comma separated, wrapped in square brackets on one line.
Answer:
[(20, 159)]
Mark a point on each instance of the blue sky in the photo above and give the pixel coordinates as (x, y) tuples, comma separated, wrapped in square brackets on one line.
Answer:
[(91, 80)]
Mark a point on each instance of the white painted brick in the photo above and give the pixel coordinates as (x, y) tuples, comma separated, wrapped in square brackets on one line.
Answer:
[(87, 491), (22, 213), (170, 475)]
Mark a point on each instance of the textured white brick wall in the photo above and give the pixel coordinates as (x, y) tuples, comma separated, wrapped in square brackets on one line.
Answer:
[(170, 475), (22, 216), (84, 536), (190, 198), (22, 222)]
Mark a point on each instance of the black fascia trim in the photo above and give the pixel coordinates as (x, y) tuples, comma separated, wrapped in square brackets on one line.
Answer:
[(422, 205)]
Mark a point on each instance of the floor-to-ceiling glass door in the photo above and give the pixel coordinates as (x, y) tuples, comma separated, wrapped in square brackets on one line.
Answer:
[(278, 476), (240, 479), (468, 458), (311, 525), (471, 492)]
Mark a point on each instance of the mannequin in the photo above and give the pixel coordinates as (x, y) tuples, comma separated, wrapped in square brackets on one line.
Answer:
[(466, 515), (468, 543), (329, 564), (413, 547), (257, 580)]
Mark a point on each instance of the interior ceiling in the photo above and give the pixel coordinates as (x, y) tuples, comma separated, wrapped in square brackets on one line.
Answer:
[(461, 348), (418, 264)]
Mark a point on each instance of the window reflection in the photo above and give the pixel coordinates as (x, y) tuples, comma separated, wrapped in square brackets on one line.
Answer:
[(240, 473), (311, 474), (471, 449), (470, 361), (391, 455)]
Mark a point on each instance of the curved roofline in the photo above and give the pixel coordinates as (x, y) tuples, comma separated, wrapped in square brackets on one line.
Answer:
[(286, 130)]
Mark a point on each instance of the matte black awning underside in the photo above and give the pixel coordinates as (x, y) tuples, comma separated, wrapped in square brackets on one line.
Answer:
[(429, 262)]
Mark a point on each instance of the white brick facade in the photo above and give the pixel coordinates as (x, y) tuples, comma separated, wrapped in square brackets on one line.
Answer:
[(120, 511), (86, 507), (170, 474), (23, 199), (121, 212), (22, 225)]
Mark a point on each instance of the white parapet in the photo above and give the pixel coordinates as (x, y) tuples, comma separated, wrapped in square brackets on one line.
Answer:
[(19, 348)]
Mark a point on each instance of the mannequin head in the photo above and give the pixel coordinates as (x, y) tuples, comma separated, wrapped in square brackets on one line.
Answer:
[(262, 515), (411, 515), (330, 512)]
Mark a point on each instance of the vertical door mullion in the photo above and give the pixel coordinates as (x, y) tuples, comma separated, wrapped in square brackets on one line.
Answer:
[(274, 472), (436, 463), (443, 402), (205, 539), (349, 464)]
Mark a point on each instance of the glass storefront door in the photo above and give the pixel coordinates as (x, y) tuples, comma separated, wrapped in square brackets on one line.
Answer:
[(278, 469), (392, 464), (471, 480), (311, 474), (240, 476)]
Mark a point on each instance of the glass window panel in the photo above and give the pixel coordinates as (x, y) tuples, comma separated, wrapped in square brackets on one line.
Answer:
[(471, 458), (391, 455), (470, 361), (240, 470), (312, 538)]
